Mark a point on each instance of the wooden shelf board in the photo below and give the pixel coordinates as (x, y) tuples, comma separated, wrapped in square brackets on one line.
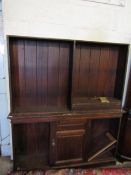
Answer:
[(90, 103)]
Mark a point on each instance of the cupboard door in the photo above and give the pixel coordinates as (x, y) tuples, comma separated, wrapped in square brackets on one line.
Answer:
[(68, 143)]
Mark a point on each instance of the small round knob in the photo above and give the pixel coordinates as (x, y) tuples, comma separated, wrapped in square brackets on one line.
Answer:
[(53, 142)]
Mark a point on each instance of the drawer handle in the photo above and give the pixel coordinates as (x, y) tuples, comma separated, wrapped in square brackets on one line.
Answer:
[(53, 142)]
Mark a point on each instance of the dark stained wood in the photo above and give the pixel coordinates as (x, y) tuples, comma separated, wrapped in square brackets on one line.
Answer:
[(93, 71), (109, 142), (94, 103), (103, 72), (65, 141), (121, 69), (124, 146), (102, 137), (30, 72), (75, 73), (128, 101), (57, 117), (99, 163), (98, 70), (84, 54), (21, 73), (127, 105), (18, 118), (42, 66), (13, 72), (64, 66), (42, 69), (112, 64), (53, 74), (30, 145)]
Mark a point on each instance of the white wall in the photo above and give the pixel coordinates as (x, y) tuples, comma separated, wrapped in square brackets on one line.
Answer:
[(67, 19), (4, 123)]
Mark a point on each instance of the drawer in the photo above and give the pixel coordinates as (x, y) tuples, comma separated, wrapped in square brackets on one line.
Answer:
[(71, 124)]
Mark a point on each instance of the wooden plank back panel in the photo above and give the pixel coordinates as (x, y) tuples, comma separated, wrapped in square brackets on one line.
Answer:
[(95, 70), (39, 74), (64, 66), (21, 72), (103, 71), (15, 71), (84, 64), (112, 70), (31, 145), (76, 68), (42, 63), (53, 73), (30, 72)]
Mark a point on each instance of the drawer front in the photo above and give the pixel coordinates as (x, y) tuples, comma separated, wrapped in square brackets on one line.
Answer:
[(71, 124)]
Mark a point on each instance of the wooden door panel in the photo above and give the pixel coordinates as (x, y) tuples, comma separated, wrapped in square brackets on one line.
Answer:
[(68, 143)]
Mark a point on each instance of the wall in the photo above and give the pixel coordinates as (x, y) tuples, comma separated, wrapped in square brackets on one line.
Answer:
[(4, 124), (68, 19)]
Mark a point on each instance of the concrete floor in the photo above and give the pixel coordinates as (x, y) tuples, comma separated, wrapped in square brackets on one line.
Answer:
[(6, 165)]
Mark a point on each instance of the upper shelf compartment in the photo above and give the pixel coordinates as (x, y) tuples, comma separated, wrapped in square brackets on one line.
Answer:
[(40, 72), (42, 81), (98, 71)]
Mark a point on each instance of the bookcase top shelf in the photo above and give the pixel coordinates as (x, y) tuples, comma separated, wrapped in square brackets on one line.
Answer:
[(58, 76)]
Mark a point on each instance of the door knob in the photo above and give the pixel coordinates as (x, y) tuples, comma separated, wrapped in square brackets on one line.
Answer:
[(53, 142)]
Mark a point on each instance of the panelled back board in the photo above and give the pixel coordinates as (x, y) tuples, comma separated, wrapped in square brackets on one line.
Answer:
[(42, 69), (96, 69)]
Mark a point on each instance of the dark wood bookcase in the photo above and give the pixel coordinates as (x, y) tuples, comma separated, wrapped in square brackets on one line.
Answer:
[(65, 102)]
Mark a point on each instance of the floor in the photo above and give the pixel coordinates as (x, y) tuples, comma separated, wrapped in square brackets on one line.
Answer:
[(6, 165)]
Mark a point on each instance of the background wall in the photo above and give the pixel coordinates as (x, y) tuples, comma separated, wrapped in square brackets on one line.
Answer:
[(4, 125), (68, 19)]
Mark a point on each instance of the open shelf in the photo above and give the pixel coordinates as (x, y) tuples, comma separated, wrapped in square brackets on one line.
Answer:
[(101, 144), (96, 103), (28, 161), (43, 74), (106, 156), (58, 75), (98, 71)]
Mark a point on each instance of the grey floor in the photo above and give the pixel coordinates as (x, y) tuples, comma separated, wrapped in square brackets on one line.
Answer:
[(6, 165)]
